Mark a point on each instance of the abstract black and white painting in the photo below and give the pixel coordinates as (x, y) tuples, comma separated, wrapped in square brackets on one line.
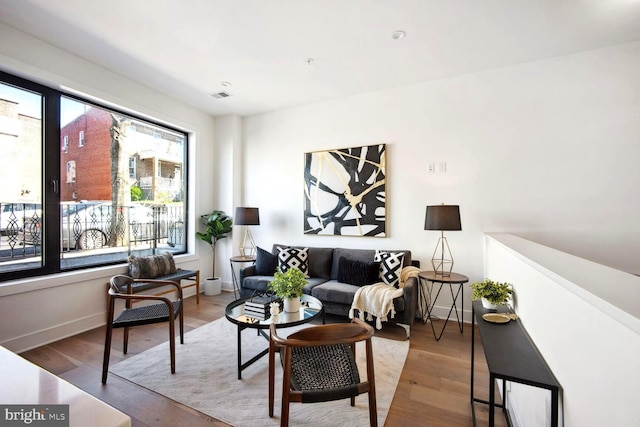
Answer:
[(344, 192)]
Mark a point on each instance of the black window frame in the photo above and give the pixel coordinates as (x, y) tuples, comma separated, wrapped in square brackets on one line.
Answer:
[(52, 176)]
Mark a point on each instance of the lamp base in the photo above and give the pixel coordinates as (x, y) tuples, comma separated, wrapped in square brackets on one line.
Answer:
[(440, 269), (247, 252), (442, 262), (248, 246)]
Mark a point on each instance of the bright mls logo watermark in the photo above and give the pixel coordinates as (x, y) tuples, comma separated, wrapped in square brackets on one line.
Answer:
[(34, 415)]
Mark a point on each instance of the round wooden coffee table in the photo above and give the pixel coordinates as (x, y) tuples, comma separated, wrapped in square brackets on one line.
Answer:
[(310, 308)]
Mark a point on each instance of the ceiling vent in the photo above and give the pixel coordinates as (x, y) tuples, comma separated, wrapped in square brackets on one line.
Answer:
[(221, 94)]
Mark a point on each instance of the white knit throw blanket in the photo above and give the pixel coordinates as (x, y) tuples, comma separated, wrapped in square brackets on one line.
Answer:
[(377, 299)]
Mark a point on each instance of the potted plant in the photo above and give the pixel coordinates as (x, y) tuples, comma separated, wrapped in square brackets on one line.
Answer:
[(288, 286), (217, 226), (491, 293)]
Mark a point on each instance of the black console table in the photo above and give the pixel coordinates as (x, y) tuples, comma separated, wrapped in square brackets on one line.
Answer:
[(511, 356)]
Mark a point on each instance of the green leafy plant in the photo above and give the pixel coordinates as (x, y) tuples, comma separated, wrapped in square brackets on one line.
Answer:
[(495, 292), (288, 284), (136, 193), (217, 226)]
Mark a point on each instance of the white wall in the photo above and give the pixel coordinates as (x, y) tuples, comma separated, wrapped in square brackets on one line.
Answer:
[(36, 311), (584, 318), (546, 149), (228, 184)]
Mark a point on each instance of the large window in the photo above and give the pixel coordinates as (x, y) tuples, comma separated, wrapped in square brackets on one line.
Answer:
[(84, 204)]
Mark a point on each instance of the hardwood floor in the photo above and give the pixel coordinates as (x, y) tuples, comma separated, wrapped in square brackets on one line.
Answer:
[(433, 389)]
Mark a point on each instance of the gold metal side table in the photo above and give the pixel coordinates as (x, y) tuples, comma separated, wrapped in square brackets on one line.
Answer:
[(426, 300)]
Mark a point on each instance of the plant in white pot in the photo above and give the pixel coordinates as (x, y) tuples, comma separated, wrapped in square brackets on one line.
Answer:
[(217, 226), (288, 286), (491, 293)]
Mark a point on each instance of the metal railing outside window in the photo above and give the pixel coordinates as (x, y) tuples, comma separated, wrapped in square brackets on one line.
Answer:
[(95, 229)]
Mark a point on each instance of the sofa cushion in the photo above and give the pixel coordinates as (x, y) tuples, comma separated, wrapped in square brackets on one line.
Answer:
[(312, 283), (266, 262), (255, 283), (261, 283), (319, 260), (365, 255), (390, 266), (151, 266), (358, 273), (294, 258), (335, 292)]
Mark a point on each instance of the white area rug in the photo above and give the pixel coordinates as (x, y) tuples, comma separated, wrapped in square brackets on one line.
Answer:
[(206, 379)]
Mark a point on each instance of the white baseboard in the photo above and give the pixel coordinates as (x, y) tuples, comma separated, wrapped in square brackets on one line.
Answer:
[(54, 333), (441, 312)]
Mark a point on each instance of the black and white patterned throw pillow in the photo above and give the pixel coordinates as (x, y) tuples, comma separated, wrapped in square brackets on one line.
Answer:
[(294, 257), (390, 266)]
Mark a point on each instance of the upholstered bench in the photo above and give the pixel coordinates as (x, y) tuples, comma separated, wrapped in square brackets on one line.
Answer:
[(161, 267)]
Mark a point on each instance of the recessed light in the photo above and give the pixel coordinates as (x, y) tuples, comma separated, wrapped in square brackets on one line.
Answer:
[(225, 84), (397, 35)]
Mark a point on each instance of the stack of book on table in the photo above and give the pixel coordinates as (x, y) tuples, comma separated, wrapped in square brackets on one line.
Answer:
[(259, 305)]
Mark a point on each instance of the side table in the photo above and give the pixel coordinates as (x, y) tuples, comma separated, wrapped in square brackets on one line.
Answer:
[(428, 280), (232, 261)]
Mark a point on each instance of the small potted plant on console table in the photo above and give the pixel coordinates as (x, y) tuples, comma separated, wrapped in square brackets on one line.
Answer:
[(491, 293), (288, 286)]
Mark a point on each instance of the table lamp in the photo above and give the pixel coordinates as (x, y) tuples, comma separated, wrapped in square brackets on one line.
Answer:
[(442, 217), (247, 216)]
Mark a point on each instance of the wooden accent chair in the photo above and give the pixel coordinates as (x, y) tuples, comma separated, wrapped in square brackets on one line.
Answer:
[(319, 365), (122, 287)]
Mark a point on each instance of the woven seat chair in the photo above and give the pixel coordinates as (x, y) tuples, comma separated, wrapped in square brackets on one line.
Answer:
[(166, 310), (319, 365)]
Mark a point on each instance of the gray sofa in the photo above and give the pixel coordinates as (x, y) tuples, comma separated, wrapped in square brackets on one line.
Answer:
[(323, 282)]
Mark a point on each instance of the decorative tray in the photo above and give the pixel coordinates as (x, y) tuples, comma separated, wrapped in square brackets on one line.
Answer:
[(499, 317)]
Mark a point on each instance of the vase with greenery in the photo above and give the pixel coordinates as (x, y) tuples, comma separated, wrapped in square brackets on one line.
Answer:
[(217, 226), (288, 286), (491, 293)]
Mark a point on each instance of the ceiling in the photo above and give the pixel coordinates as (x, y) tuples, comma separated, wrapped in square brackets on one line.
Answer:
[(188, 48)]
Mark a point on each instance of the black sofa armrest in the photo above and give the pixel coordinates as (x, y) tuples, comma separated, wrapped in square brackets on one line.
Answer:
[(410, 302), (245, 272)]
